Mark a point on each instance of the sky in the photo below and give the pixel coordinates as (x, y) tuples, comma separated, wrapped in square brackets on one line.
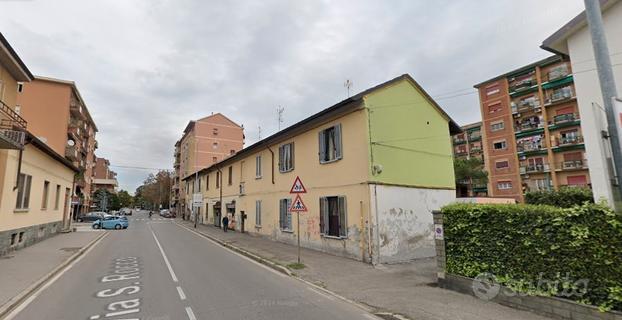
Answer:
[(147, 67)]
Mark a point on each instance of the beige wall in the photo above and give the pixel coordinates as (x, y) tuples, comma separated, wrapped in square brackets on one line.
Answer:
[(42, 168), (348, 177), (8, 87), (45, 105)]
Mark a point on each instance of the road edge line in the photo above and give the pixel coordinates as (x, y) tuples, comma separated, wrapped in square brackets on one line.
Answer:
[(241, 251), (281, 269), (18, 299)]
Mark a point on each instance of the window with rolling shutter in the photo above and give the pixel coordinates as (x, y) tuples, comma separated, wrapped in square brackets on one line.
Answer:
[(286, 157), (330, 146)]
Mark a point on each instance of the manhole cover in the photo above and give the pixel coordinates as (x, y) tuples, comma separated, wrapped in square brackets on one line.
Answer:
[(70, 249)]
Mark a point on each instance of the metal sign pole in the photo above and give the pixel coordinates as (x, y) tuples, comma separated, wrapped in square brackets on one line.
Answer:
[(298, 222)]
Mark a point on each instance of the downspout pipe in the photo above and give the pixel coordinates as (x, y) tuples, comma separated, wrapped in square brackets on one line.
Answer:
[(272, 153)]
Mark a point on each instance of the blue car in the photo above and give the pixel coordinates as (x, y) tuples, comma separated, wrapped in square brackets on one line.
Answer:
[(111, 222)]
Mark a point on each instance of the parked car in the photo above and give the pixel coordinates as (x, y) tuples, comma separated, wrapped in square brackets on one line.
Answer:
[(166, 213), (126, 211), (91, 216), (111, 222)]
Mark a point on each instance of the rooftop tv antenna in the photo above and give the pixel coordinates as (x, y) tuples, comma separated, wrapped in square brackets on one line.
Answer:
[(279, 111), (348, 85), (259, 132)]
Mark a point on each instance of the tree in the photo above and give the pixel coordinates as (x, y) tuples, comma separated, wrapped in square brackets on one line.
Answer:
[(125, 199), (470, 171), (106, 200), (155, 190)]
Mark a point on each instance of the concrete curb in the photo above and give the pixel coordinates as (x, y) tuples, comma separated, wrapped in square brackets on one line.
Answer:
[(20, 297), (241, 251), (287, 272)]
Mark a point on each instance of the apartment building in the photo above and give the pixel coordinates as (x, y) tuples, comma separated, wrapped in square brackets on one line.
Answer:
[(57, 115), (532, 130), (204, 142), (573, 41), (373, 165), (468, 145), (103, 177), (35, 181), (175, 188)]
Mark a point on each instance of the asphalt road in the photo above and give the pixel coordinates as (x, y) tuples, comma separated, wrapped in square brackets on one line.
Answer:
[(158, 270)]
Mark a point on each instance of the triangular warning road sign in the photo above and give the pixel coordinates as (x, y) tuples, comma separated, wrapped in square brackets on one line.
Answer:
[(298, 187), (298, 205)]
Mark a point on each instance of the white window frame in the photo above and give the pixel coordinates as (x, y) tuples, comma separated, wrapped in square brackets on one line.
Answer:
[(492, 126), (325, 217), (507, 185), (286, 157), (328, 153), (24, 183), (258, 168), (505, 145)]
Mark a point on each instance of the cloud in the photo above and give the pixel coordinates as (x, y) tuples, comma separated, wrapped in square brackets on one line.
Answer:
[(145, 67)]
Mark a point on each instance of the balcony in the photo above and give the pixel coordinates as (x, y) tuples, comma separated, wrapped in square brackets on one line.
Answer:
[(459, 140), (476, 149), (564, 120), (475, 136), (71, 153), (528, 126), (12, 128), (569, 165), (569, 140), (559, 95), (76, 109), (534, 168), (531, 144)]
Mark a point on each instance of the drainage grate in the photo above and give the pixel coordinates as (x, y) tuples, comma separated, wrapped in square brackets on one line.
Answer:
[(70, 249)]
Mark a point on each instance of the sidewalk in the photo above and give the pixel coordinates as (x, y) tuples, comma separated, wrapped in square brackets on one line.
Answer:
[(406, 289), (21, 269)]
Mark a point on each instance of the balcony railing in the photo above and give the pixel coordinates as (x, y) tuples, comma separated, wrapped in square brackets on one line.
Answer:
[(528, 146), (474, 136), (533, 168), (569, 140), (522, 84), (12, 128), (562, 118), (527, 125), (525, 106), (459, 140), (573, 164), (560, 95), (557, 73)]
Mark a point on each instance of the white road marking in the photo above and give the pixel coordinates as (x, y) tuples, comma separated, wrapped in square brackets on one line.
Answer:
[(168, 264), (182, 295), (94, 317), (190, 314), (24, 304)]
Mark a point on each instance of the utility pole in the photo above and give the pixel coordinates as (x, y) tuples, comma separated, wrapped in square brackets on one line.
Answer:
[(607, 86)]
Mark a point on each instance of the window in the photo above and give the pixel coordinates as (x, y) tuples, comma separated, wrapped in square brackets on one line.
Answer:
[(215, 145), (230, 179), (13, 238), (215, 131), (493, 108), (286, 157), (46, 190), (20, 87), (199, 185), (218, 179), (57, 200), (577, 180), (493, 89), (496, 126), (258, 212), (231, 151), (207, 182), (258, 167), (499, 145), (23, 191), (214, 159), (18, 109), (504, 185), (285, 216), (330, 144), (333, 216), (502, 164), (21, 237)]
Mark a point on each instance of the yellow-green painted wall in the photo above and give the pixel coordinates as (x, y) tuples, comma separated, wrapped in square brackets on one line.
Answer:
[(410, 141)]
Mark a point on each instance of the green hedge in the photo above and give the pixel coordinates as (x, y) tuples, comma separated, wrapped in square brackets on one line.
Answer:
[(521, 244), (564, 197)]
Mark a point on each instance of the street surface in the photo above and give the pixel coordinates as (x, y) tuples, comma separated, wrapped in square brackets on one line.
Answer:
[(158, 270)]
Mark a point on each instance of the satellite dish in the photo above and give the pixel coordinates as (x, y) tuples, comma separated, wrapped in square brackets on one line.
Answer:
[(71, 143)]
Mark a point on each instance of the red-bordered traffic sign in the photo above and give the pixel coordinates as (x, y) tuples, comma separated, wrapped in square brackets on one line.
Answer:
[(298, 187), (298, 205)]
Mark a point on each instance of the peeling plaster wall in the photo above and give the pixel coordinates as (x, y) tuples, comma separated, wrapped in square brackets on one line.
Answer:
[(404, 221)]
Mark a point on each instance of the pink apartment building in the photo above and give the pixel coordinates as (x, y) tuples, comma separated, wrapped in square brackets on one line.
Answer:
[(203, 143)]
